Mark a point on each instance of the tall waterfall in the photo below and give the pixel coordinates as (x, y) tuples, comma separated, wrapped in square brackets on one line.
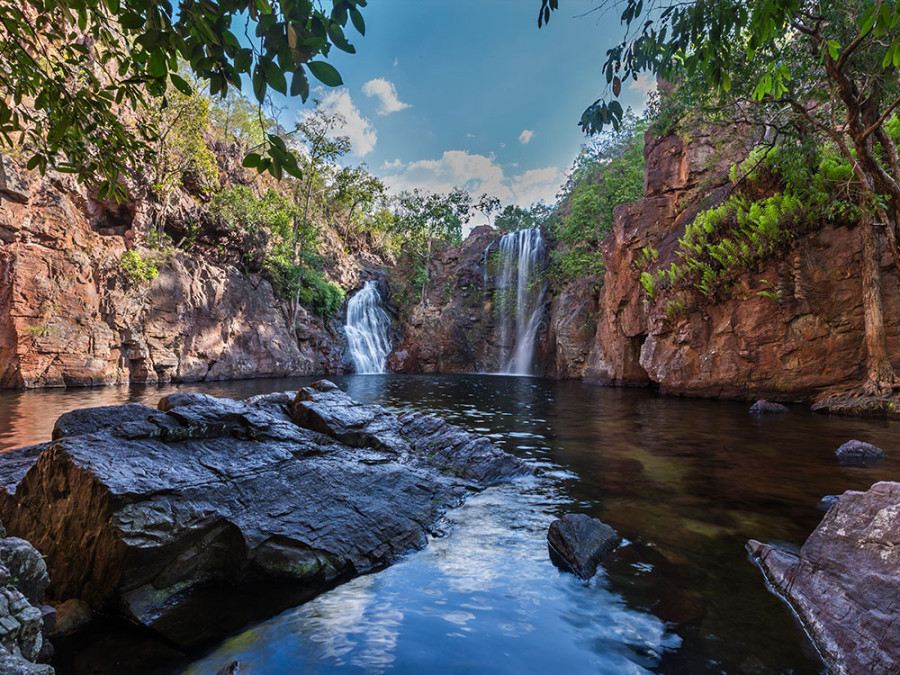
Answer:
[(521, 296), (367, 330)]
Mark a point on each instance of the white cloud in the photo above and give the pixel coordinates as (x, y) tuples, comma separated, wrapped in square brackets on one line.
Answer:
[(357, 128), (386, 93), (644, 85), (396, 61), (390, 166), (477, 174), (525, 136)]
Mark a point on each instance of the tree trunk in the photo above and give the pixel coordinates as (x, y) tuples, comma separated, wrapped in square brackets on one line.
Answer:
[(879, 372)]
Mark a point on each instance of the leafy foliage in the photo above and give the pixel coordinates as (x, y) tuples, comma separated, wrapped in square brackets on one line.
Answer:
[(136, 268), (69, 68), (607, 172)]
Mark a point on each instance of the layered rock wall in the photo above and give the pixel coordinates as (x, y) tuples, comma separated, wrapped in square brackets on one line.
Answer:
[(69, 316), (788, 329)]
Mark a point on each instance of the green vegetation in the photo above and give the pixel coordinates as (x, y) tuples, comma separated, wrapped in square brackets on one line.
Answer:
[(136, 268), (69, 67), (608, 172)]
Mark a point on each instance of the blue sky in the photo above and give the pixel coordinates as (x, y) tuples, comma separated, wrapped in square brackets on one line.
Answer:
[(469, 93)]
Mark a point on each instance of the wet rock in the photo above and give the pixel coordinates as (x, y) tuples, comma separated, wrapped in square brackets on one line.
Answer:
[(27, 567), (208, 502), (22, 621), (859, 452), (578, 543), (827, 502), (71, 615), (844, 584), (763, 407)]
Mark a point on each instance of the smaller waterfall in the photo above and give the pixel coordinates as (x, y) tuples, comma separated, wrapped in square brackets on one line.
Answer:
[(521, 296), (367, 330)]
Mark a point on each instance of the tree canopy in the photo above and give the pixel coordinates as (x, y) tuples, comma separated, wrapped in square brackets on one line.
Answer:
[(75, 75)]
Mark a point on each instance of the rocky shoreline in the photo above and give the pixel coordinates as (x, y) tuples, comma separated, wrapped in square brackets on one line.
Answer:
[(175, 518)]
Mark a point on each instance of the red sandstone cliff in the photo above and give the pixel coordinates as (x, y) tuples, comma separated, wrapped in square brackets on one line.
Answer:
[(792, 346), (68, 316)]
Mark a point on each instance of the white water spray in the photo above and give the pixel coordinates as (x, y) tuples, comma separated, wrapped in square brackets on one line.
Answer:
[(521, 296), (367, 330)]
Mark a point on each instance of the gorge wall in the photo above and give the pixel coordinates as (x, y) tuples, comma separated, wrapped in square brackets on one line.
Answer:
[(788, 329), (69, 316)]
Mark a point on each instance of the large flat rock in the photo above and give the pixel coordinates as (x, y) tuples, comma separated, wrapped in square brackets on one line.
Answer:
[(155, 514), (845, 582)]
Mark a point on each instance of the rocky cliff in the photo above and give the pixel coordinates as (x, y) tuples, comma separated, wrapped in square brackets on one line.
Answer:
[(70, 314), (451, 329), (788, 329)]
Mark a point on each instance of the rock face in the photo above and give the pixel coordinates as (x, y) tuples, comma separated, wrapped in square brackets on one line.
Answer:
[(845, 582), (452, 331), (69, 316), (23, 577), (859, 452), (790, 328), (578, 543), (153, 514)]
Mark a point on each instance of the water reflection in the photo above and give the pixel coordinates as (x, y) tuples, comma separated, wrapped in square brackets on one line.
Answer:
[(686, 482), (485, 597)]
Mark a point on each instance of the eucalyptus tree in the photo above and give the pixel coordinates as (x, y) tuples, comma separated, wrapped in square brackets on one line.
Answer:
[(75, 73), (820, 69)]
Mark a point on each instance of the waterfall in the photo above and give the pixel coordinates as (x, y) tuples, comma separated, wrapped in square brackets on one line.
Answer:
[(520, 298), (367, 330)]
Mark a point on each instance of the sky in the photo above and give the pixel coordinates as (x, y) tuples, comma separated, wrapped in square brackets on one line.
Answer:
[(471, 94)]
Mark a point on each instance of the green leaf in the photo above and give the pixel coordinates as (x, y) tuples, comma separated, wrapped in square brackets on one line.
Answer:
[(300, 85), (180, 84), (357, 18), (834, 49), (325, 73), (251, 161), (157, 65)]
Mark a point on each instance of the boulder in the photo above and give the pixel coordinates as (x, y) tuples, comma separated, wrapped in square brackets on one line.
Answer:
[(844, 584), (23, 577), (212, 507), (578, 543), (763, 407), (859, 452)]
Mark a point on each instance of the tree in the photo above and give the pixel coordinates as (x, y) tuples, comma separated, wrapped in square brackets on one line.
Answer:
[(321, 148), (422, 216), (356, 188), (821, 69), (74, 72)]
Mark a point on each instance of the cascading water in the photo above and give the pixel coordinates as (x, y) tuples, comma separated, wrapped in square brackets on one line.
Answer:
[(367, 330), (521, 296)]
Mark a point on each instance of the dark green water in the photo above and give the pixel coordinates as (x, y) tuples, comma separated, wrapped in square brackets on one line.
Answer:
[(686, 482)]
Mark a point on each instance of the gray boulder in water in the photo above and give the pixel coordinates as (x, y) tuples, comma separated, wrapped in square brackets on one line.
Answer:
[(578, 543), (844, 584), (764, 407), (859, 452), (196, 517)]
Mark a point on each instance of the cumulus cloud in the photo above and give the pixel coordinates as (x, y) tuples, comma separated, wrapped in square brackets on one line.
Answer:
[(644, 85), (357, 128), (477, 174), (386, 93), (525, 136)]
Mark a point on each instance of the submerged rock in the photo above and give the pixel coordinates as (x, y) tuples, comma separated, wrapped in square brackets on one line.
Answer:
[(231, 510), (578, 543), (763, 407), (845, 582), (859, 452)]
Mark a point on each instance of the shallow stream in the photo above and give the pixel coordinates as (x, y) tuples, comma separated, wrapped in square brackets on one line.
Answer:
[(686, 482)]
